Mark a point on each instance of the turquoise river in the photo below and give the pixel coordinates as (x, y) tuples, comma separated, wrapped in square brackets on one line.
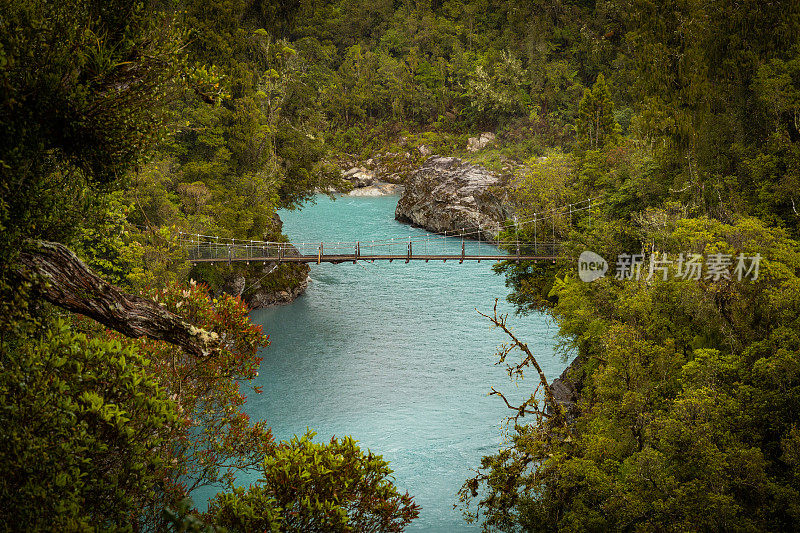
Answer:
[(395, 355)]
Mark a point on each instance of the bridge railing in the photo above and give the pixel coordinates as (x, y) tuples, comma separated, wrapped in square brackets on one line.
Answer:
[(538, 226), (200, 247)]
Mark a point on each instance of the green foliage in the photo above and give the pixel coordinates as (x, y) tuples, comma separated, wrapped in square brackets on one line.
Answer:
[(501, 92), (546, 183), (84, 427), (82, 92), (683, 421), (123, 254), (443, 66), (596, 115), (102, 243), (688, 395), (714, 93), (317, 487)]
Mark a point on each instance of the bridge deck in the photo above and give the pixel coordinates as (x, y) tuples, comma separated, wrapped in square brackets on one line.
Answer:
[(351, 258)]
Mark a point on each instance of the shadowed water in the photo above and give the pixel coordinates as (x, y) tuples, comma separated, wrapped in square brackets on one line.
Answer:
[(394, 355)]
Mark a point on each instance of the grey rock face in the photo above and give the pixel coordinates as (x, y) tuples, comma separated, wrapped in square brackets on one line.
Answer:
[(254, 283), (264, 298), (566, 389), (480, 142), (448, 195), (359, 177)]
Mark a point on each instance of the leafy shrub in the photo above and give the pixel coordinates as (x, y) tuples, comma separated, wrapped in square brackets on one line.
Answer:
[(317, 487)]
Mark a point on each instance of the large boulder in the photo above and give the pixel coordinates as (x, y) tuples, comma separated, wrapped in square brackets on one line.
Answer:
[(359, 177), (448, 195)]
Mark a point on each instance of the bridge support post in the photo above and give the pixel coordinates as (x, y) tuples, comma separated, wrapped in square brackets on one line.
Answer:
[(319, 255), (408, 257), (463, 250), (280, 253), (358, 252)]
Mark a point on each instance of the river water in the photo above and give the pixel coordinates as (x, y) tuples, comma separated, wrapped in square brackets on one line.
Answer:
[(395, 355)]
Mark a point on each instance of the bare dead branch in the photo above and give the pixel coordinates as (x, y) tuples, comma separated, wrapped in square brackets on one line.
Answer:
[(521, 410), (71, 285), (556, 408)]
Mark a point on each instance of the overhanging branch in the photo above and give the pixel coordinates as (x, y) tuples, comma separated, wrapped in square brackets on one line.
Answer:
[(556, 411), (71, 285)]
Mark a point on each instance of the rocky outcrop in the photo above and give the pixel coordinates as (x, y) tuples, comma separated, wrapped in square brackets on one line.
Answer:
[(475, 144), (567, 387), (264, 296), (364, 182), (447, 195), (258, 284), (266, 284), (388, 167), (359, 177)]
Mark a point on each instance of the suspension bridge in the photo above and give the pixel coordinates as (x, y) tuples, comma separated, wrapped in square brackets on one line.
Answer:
[(463, 245)]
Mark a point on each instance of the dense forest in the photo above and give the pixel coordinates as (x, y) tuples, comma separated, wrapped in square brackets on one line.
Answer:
[(124, 122)]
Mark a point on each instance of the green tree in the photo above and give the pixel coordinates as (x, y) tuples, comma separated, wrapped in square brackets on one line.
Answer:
[(317, 487), (596, 122)]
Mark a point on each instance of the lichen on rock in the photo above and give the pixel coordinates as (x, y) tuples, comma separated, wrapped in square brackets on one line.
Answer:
[(447, 194)]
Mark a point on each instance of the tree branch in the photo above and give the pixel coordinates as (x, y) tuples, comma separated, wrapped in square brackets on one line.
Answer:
[(556, 408), (521, 410), (71, 285)]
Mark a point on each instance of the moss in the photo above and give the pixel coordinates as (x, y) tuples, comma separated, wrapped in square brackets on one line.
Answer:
[(285, 277)]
